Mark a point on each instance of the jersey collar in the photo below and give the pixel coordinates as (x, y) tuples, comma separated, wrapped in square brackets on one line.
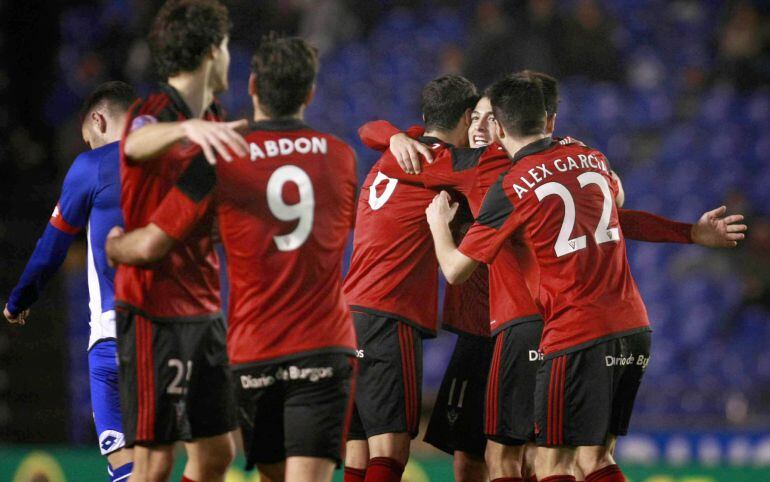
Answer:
[(177, 99), (533, 148), (279, 125)]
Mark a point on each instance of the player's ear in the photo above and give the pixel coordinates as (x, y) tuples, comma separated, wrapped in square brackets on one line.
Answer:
[(499, 130), (99, 122), (550, 123), (252, 84), (310, 96)]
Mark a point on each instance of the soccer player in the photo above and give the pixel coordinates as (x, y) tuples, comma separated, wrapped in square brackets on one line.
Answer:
[(590, 303), (174, 375), (89, 200), (285, 212), (392, 288), (508, 377)]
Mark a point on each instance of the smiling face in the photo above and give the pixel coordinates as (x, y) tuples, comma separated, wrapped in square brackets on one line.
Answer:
[(482, 129)]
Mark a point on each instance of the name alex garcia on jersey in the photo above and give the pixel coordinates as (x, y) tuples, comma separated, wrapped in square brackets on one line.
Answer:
[(539, 173)]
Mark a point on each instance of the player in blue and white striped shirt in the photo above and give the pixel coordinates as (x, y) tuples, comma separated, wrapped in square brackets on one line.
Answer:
[(90, 200)]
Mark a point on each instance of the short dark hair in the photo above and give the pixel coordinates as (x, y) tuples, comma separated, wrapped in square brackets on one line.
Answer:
[(517, 101), (550, 88), (285, 71), (184, 32), (445, 99), (116, 95)]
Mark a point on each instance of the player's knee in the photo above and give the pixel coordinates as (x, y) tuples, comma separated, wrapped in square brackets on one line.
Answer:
[(219, 457), (159, 471), (468, 468), (589, 460)]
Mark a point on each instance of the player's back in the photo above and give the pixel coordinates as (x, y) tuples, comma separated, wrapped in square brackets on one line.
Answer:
[(285, 215), (393, 271), (564, 194)]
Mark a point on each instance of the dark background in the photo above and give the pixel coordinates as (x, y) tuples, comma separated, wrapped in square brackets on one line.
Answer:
[(676, 94)]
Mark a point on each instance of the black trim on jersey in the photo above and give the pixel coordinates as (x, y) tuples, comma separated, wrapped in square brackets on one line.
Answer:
[(598, 341), (517, 321), (216, 315), (198, 180), (101, 340), (177, 100), (386, 314), (496, 207), (279, 125), (326, 350), (466, 158), (430, 140), (534, 147)]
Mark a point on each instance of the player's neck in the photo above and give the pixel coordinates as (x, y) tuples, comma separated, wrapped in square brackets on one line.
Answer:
[(194, 89), (513, 145), (260, 115), (457, 137)]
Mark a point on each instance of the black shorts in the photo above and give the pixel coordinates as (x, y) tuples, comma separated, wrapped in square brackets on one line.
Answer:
[(389, 381), (457, 422), (298, 407), (583, 396), (511, 384), (175, 381)]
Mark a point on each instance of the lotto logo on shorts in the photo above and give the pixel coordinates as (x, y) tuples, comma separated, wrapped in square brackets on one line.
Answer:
[(110, 440), (622, 361)]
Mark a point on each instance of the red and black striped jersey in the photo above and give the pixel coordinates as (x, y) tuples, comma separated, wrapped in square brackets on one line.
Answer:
[(285, 213), (185, 284), (559, 198), (470, 173)]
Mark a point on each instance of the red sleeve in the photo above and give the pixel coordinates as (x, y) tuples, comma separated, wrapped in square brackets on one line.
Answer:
[(376, 134), (188, 201), (495, 223), (644, 226)]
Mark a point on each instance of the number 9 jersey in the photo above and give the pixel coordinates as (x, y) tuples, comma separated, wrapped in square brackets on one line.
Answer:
[(559, 199), (285, 213)]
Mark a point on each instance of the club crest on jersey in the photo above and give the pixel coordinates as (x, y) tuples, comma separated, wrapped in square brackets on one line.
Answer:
[(142, 121)]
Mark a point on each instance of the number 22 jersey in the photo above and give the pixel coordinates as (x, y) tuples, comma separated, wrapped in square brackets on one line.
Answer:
[(559, 198), (285, 213)]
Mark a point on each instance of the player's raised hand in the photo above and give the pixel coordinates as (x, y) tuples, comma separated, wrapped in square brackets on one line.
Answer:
[(217, 138), (440, 210), (408, 151), (17, 319), (715, 230)]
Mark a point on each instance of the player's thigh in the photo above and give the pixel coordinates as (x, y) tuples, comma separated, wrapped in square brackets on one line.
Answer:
[(388, 386), (634, 352), (574, 396), (309, 469), (457, 420), (555, 461), (260, 398), (511, 384), (317, 406), (210, 401), (105, 396), (154, 371)]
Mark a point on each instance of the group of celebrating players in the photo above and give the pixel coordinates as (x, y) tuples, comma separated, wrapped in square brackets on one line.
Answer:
[(316, 370)]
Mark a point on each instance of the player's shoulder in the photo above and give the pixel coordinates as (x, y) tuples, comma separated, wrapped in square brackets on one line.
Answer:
[(158, 106)]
